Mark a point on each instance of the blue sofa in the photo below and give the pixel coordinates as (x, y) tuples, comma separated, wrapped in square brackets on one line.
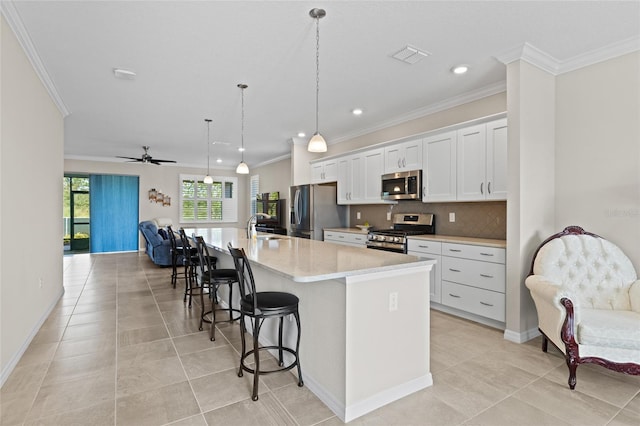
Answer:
[(158, 246)]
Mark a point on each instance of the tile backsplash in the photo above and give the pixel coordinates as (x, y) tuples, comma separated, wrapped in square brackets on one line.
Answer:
[(479, 219)]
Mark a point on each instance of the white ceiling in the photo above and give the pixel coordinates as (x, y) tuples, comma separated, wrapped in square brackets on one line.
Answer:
[(190, 56)]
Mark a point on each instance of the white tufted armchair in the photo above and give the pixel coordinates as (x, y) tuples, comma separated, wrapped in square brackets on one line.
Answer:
[(587, 295)]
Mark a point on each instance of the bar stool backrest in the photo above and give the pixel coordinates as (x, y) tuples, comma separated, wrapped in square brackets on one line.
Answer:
[(186, 246), (245, 276), (203, 254)]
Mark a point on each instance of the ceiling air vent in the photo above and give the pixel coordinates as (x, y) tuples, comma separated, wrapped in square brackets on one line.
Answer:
[(410, 55)]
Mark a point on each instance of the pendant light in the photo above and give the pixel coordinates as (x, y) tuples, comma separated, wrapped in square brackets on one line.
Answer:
[(208, 179), (317, 142), (242, 168)]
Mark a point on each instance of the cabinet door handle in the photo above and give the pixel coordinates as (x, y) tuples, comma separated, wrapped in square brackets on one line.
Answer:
[(421, 246), (486, 276), (340, 236), (486, 254), (486, 304), (489, 187), (455, 250), (481, 187), (454, 270), (454, 295)]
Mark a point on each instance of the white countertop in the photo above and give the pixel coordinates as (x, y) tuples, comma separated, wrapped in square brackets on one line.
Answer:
[(305, 260), (348, 230), (488, 242)]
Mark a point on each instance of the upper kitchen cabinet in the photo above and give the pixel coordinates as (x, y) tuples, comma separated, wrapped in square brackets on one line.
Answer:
[(324, 171), (404, 156), (482, 162), (439, 173), (359, 178)]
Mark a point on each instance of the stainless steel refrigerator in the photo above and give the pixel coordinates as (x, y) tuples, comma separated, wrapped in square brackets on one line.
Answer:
[(313, 208)]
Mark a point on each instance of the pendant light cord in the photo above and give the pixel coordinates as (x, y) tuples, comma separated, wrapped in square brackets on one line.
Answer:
[(208, 144), (317, 70), (242, 126)]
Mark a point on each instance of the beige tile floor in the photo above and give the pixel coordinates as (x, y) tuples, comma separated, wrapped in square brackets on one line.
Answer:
[(122, 348)]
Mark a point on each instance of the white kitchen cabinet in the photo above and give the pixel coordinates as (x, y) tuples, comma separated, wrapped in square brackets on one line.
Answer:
[(346, 238), (474, 279), (404, 156), (482, 161), (324, 171), (359, 178), (350, 187), (439, 173), (429, 250), (497, 160)]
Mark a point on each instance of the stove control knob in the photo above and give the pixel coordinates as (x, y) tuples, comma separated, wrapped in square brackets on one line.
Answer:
[(380, 237), (397, 239)]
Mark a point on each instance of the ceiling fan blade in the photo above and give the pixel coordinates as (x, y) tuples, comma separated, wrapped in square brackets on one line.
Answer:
[(155, 162), (129, 158), (164, 161)]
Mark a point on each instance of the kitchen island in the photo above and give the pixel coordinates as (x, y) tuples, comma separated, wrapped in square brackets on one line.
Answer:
[(364, 315)]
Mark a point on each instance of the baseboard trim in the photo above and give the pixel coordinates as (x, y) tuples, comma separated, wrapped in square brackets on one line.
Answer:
[(8, 369), (525, 336)]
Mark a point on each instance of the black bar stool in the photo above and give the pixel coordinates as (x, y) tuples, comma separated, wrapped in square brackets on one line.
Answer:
[(191, 261), (259, 306), (211, 279), (177, 257)]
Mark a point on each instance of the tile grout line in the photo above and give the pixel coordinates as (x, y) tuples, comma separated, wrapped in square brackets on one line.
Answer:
[(35, 397)]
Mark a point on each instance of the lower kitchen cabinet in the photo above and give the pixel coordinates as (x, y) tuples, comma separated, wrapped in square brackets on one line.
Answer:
[(469, 278), (474, 279), (429, 250), (346, 238)]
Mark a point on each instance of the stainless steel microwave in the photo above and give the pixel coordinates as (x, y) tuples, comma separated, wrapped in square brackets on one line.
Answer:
[(402, 185)]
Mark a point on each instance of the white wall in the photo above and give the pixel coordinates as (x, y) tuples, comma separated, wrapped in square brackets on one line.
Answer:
[(167, 179), (530, 202), (598, 151), (31, 159)]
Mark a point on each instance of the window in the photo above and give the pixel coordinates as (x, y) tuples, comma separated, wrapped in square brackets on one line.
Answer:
[(255, 190), (200, 202)]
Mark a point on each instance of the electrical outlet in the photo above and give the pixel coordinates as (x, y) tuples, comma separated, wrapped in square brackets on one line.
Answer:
[(358, 216), (452, 217), (393, 301), (40, 282)]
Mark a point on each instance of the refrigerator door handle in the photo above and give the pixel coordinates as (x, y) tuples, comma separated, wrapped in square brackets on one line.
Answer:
[(296, 207)]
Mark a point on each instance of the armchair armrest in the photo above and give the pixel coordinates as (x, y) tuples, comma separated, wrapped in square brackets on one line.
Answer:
[(547, 296), (634, 296)]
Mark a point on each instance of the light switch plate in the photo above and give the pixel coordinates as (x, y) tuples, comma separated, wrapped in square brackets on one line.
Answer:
[(358, 215), (388, 215), (452, 217)]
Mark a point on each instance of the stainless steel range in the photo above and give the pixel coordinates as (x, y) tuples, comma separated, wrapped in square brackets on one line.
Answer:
[(404, 225)]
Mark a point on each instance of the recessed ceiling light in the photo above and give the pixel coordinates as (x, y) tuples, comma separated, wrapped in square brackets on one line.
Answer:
[(357, 111), (124, 74), (460, 69), (219, 160), (302, 134), (241, 149)]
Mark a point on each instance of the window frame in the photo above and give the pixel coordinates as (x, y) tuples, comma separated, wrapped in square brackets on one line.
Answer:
[(229, 205)]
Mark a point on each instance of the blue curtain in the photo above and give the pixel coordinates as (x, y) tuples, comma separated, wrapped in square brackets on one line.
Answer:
[(114, 204)]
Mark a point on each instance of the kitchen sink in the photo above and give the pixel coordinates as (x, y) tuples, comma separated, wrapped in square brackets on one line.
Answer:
[(272, 237)]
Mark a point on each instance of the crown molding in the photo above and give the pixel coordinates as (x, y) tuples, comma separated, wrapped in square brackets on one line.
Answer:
[(471, 96), (10, 13), (531, 54), (273, 160)]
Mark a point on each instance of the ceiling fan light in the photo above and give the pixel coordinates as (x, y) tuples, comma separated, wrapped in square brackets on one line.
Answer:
[(317, 144), (208, 180), (242, 168)]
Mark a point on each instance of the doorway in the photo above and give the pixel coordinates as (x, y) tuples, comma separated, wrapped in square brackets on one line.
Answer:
[(76, 214)]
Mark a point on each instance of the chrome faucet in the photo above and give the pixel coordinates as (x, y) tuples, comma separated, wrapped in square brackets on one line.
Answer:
[(253, 220)]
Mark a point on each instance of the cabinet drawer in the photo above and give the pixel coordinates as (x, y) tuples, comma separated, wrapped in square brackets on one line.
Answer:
[(345, 238), (485, 275), (423, 246), (467, 251), (477, 301)]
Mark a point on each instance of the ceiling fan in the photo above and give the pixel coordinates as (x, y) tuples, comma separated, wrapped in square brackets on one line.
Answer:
[(146, 158)]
